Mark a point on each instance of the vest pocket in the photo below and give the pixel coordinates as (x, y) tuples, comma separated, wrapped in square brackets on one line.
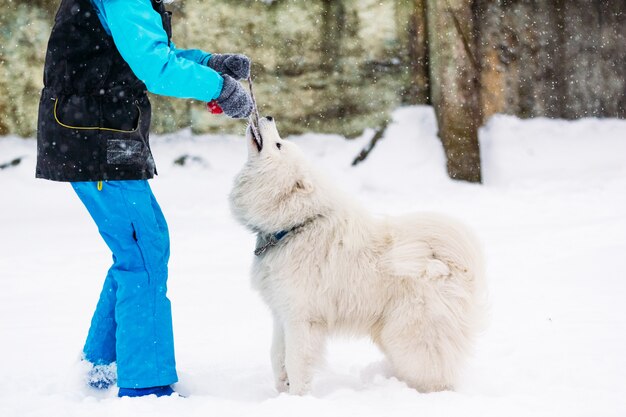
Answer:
[(90, 113)]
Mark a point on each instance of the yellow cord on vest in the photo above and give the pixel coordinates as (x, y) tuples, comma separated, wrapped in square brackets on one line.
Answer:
[(56, 118), (99, 186)]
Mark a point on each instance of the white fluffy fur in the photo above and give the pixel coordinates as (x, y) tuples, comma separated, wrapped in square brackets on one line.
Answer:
[(414, 283)]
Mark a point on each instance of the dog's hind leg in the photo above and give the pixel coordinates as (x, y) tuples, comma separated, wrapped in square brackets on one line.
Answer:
[(304, 343), (425, 349), (420, 367), (278, 357), (417, 362)]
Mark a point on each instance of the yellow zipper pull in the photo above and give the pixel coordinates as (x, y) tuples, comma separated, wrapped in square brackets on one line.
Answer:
[(99, 185)]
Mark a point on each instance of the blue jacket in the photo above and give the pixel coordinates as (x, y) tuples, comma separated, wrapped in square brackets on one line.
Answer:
[(141, 40)]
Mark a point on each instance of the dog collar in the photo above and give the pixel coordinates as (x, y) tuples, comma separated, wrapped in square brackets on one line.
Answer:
[(272, 239)]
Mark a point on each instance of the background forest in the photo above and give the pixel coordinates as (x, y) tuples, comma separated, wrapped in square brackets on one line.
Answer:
[(342, 65)]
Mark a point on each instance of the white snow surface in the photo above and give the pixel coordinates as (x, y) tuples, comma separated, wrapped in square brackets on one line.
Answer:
[(551, 215)]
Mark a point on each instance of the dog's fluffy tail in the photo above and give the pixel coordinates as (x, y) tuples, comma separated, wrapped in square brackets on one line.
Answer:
[(436, 247)]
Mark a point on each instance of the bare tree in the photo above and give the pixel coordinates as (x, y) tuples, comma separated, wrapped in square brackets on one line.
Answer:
[(454, 85)]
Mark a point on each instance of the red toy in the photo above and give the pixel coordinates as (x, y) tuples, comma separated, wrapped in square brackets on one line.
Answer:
[(214, 108)]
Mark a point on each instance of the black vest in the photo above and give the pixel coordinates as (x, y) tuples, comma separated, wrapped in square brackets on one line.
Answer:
[(94, 113)]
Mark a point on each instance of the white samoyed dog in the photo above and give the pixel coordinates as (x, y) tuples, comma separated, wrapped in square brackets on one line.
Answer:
[(324, 265)]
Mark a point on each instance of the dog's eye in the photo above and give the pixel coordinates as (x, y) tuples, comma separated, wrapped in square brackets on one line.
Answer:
[(278, 145)]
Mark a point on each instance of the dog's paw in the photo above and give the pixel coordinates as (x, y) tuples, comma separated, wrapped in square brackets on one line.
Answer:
[(299, 389), (282, 385), (282, 381)]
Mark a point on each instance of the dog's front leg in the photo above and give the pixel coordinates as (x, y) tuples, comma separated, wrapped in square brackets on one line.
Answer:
[(278, 357), (304, 342)]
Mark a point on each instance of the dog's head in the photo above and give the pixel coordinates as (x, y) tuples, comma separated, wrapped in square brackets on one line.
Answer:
[(276, 189)]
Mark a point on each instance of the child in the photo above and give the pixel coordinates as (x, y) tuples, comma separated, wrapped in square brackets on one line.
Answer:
[(94, 119)]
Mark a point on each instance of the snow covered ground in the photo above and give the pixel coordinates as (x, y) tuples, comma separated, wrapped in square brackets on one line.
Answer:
[(551, 214)]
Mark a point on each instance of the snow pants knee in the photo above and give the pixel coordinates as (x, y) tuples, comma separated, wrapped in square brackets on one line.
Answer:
[(132, 324)]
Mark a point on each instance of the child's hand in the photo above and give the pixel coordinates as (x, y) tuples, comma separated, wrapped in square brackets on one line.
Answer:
[(234, 65), (234, 100)]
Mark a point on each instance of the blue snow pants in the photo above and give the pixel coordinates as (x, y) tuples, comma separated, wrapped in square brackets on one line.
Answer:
[(132, 324)]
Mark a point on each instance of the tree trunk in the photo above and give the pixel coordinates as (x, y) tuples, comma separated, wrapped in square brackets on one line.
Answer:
[(454, 85), (333, 27), (412, 34)]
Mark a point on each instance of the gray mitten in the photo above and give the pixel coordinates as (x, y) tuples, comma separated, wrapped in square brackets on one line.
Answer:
[(235, 65), (234, 100)]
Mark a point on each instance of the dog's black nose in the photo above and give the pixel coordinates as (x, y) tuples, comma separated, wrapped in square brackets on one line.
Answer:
[(270, 118)]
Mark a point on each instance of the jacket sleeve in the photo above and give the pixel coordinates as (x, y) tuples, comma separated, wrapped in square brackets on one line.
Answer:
[(195, 55), (138, 33)]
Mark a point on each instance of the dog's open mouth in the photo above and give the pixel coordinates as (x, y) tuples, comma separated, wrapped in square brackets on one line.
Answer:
[(257, 139)]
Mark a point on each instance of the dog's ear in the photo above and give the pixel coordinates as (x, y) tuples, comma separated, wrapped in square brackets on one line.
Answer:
[(303, 186)]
